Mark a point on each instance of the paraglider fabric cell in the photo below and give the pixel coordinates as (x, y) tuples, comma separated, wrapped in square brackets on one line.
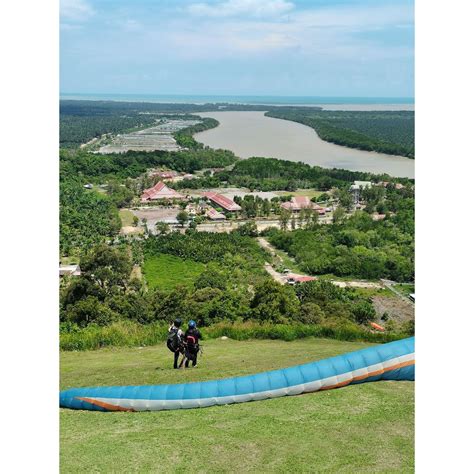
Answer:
[(392, 361)]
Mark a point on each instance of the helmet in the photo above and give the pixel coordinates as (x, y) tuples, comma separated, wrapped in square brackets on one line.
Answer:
[(192, 324), (177, 322)]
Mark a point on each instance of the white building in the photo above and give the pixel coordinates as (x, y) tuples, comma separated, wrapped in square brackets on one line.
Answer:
[(357, 187), (71, 270)]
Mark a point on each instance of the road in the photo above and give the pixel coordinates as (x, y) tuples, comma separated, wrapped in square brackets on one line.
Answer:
[(282, 277)]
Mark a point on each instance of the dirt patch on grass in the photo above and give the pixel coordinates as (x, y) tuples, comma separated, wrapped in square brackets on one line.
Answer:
[(397, 309)]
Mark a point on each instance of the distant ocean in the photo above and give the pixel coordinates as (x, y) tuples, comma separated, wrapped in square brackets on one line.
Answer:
[(236, 99)]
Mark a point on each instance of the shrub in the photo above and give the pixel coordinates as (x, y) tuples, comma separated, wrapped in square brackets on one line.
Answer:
[(130, 334)]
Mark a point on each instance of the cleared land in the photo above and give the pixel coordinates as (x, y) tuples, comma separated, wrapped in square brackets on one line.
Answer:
[(166, 271), (159, 137), (362, 428)]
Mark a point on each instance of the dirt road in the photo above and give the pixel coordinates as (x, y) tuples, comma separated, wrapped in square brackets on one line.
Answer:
[(282, 278)]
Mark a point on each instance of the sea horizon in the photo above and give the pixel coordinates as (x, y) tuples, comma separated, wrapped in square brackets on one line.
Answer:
[(236, 99)]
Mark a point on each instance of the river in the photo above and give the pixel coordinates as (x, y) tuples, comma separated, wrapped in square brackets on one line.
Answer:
[(252, 134)]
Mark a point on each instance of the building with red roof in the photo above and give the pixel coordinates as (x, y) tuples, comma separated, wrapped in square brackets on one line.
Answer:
[(293, 279), (214, 215), (160, 191), (298, 203), (222, 201)]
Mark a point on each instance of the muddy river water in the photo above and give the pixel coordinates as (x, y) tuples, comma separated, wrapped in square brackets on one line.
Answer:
[(252, 134)]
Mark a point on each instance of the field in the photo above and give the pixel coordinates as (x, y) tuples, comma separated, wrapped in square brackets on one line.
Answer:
[(126, 217), (166, 271), (311, 193), (361, 428)]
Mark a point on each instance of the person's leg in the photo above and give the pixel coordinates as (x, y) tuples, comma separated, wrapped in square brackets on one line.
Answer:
[(186, 364), (195, 356), (182, 360), (176, 357)]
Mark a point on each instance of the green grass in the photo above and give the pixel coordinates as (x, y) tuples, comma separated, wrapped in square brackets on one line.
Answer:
[(165, 271), (361, 428), (126, 217), (311, 193), (405, 289)]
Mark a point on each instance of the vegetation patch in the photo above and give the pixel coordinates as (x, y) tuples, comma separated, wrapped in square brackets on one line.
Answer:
[(383, 131), (126, 217), (131, 334), (358, 247), (167, 271), (405, 289)]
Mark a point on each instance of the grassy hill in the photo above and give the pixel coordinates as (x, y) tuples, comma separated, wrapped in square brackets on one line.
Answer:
[(367, 427)]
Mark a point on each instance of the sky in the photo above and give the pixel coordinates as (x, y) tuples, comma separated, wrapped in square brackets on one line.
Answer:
[(324, 48)]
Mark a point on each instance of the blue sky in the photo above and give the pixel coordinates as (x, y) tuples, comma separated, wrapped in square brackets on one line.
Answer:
[(357, 48)]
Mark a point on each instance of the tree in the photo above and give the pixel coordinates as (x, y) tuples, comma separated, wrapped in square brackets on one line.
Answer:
[(363, 312), (338, 215), (90, 310), (344, 197), (285, 216), (162, 228), (314, 218), (248, 229), (266, 207), (182, 217), (310, 313), (274, 302), (107, 267)]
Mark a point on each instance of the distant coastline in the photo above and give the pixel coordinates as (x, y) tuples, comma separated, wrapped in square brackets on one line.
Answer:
[(333, 103)]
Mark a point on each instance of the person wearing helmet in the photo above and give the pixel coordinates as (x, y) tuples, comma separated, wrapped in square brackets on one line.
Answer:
[(191, 339), (175, 341)]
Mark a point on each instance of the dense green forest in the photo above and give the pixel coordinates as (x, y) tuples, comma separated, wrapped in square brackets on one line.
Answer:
[(99, 168), (383, 131), (358, 247), (74, 130), (86, 217), (185, 138), (232, 287), (271, 174)]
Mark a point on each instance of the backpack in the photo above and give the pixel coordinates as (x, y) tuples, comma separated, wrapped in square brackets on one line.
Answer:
[(192, 344), (173, 340)]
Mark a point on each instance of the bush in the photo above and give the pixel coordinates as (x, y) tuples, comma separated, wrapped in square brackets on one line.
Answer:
[(130, 334)]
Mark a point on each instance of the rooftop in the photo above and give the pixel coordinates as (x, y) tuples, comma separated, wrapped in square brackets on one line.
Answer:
[(222, 201), (301, 202), (160, 191)]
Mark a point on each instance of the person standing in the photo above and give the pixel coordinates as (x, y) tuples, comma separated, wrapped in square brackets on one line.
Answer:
[(191, 338), (175, 341)]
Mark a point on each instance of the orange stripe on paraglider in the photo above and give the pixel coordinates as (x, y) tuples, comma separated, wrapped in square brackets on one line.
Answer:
[(370, 374), (107, 406)]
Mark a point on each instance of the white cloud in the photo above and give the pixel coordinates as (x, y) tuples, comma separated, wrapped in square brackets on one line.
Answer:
[(252, 8), (76, 10), (329, 32)]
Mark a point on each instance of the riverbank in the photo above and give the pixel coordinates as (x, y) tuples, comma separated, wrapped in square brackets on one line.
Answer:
[(253, 134)]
